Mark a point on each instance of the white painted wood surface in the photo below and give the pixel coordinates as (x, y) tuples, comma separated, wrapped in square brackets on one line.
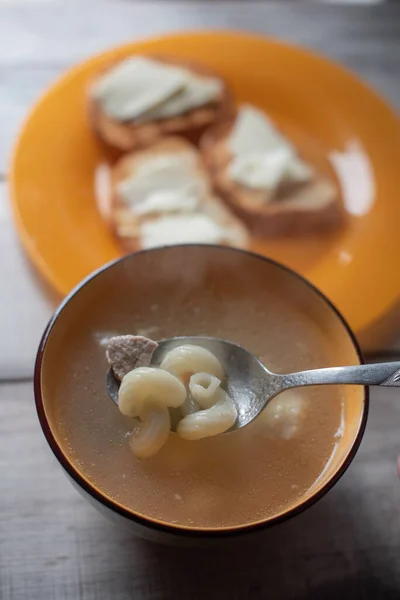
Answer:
[(52, 544)]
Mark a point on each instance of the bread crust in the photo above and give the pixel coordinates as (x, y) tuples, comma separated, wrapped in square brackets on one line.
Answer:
[(290, 214), (121, 219), (128, 135), (119, 214)]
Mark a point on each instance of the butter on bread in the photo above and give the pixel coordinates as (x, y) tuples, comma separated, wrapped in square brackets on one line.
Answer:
[(127, 134), (309, 203), (161, 195)]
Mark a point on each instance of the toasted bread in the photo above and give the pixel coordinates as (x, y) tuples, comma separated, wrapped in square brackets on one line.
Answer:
[(130, 135), (128, 226), (297, 208)]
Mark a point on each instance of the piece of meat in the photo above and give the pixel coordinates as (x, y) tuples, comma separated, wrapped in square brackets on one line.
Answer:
[(127, 352)]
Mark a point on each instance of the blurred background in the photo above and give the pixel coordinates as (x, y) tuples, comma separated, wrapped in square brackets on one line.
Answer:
[(41, 39)]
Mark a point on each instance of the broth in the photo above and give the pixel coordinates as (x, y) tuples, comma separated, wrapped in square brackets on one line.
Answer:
[(229, 480)]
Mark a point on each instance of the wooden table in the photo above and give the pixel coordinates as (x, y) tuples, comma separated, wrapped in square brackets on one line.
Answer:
[(52, 544)]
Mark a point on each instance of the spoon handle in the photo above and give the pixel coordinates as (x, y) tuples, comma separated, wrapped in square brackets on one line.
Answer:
[(385, 374)]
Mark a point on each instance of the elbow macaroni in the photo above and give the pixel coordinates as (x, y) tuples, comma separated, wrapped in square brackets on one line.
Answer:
[(219, 412), (152, 431), (146, 384), (187, 360), (189, 406), (203, 388), (148, 393)]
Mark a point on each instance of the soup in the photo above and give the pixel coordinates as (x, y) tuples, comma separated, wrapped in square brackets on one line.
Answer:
[(249, 475)]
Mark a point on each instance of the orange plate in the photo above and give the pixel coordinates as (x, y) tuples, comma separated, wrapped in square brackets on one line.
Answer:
[(335, 119)]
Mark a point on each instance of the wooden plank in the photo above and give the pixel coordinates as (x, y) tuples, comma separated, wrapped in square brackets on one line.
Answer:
[(26, 304), (53, 545)]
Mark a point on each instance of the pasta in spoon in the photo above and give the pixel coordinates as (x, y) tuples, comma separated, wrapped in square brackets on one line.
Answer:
[(189, 378)]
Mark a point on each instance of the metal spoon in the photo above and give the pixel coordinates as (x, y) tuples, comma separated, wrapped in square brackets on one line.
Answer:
[(252, 386)]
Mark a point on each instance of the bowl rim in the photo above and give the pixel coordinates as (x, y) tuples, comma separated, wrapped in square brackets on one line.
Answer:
[(148, 522)]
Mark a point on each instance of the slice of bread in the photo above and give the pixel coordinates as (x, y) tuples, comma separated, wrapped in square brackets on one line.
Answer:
[(131, 228), (131, 135), (296, 207)]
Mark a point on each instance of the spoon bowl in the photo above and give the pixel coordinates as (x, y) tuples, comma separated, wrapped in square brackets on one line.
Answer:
[(252, 386), (248, 381)]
